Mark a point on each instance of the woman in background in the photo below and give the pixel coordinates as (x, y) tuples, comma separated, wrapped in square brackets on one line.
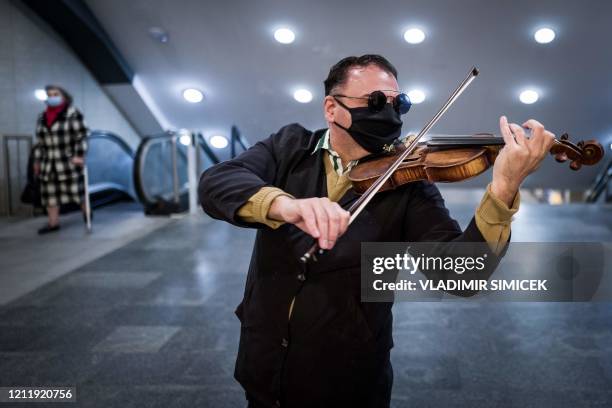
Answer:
[(60, 155)]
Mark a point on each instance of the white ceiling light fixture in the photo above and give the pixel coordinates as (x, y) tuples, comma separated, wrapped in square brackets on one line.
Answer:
[(185, 140), (302, 95), (544, 35), (284, 36), (193, 95), (40, 94), (218, 141), (529, 96), (159, 34), (414, 36), (416, 96), (185, 137)]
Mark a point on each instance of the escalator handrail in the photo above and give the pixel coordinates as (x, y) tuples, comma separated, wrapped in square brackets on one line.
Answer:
[(141, 153), (106, 135), (599, 185), (143, 147), (207, 149), (237, 137), (138, 162)]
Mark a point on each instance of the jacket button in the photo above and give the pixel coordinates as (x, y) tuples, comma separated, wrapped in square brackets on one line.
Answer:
[(301, 277), (285, 343)]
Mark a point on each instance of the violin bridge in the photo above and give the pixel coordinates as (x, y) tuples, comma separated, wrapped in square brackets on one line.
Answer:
[(408, 139)]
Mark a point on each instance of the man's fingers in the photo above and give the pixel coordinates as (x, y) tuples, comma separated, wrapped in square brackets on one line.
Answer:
[(323, 219), (519, 135), (310, 220), (549, 140), (322, 223), (506, 132), (536, 128), (345, 216), (541, 137), (544, 143), (533, 124), (334, 223)]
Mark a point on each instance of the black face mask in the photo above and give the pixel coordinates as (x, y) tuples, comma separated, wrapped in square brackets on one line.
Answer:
[(374, 131)]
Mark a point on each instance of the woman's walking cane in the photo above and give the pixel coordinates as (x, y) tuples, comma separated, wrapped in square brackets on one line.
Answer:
[(87, 202)]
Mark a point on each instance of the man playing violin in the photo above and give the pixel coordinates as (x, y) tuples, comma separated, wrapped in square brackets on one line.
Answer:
[(306, 339)]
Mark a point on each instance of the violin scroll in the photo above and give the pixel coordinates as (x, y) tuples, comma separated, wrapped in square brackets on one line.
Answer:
[(582, 153)]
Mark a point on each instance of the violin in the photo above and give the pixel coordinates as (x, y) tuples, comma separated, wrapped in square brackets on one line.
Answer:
[(451, 159)]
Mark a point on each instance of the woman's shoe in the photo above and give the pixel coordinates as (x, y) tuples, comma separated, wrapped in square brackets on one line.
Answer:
[(48, 228)]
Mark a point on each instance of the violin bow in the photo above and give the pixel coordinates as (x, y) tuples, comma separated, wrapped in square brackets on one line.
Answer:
[(365, 198)]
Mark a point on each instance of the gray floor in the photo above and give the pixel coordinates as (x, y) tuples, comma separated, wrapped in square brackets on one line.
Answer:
[(150, 323), (29, 260)]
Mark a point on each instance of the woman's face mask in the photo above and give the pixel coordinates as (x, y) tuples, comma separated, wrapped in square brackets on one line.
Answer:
[(375, 131), (55, 100)]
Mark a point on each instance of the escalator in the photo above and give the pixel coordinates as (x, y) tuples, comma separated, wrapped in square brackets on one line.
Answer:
[(160, 171), (109, 161), (155, 175)]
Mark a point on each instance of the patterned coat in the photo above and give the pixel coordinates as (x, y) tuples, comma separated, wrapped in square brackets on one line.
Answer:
[(56, 146)]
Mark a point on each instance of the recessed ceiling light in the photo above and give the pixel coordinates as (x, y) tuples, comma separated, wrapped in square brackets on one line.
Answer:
[(185, 140), (159, 34), (544, 35), (529, 96), (416, 96), (302, 95), (40, 94), (193, 95), (284, 36), (218, 141), (414, 36), (185, 137)]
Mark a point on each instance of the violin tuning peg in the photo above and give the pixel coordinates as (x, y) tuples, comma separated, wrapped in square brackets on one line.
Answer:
[(580, 144), (561, 157), (565, 136), (575, 165)]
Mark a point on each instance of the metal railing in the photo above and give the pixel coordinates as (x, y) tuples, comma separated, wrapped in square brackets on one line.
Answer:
[(16, 150), (237, 138), (602, 184)]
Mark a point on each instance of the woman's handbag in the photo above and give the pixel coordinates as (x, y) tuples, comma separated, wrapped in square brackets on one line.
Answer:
[(31, 192)]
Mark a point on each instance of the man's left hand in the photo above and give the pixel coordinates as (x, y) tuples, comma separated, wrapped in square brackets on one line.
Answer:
[(519, 157), (78, 161)]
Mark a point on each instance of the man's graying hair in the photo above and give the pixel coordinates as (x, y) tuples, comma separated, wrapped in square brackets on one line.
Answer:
[(337, 73)]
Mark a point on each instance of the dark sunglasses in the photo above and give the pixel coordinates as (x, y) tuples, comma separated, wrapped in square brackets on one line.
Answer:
[(377, 101)]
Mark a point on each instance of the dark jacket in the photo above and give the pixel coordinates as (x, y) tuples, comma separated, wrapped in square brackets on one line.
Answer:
[(58, 144), (335, 349)]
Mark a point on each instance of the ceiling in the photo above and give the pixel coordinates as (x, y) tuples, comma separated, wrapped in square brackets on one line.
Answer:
[(227, 50)]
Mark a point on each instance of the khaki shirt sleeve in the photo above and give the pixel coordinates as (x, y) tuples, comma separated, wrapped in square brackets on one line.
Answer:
[(493, 218), (257, 207)]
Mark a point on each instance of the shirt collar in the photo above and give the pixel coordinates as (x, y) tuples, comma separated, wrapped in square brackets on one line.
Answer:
[(324, 143)]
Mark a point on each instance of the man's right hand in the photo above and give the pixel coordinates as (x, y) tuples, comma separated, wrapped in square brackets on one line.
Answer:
[(36, 168), (321, 218)]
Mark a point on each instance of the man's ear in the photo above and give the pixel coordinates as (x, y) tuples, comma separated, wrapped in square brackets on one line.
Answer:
[(329, 108)]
